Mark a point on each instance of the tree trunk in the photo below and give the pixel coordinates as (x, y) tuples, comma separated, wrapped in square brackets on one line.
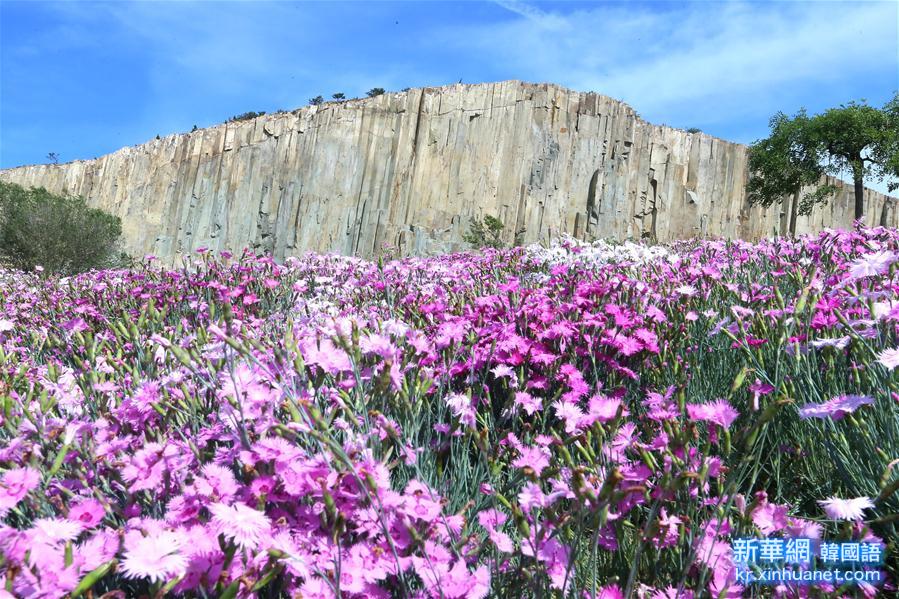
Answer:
[(794, 209), (859, 197)]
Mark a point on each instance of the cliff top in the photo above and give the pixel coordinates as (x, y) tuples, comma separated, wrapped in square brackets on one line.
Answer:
[(397, 98)]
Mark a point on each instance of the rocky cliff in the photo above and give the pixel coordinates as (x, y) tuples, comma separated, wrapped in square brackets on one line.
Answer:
[(409, 169)]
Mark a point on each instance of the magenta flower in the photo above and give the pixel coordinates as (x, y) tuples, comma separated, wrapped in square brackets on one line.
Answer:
[(836, 408), (846, 509), (240, 523), (610, 592), (75, 325), (88, 512), (758, 389)]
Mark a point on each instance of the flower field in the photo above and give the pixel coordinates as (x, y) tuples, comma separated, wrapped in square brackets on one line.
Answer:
[(580, 421)]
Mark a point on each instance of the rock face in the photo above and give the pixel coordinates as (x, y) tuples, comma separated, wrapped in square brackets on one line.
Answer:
[(409, 169)]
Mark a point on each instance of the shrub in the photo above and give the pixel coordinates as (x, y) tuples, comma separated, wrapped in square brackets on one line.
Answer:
[(694, 130), (485, 233), (375, 91), (62, 234), (316, 101), (247, 116)]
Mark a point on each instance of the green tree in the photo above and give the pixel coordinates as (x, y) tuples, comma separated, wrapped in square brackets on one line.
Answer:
[(785, 162), (886, 153), (338, 96), (316, 100), (60, 233), (375, 91), (856, 138), (484, 233)]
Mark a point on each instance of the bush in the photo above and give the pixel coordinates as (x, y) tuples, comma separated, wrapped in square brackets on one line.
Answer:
[(316, 101), (247, 116), (694, 130), (62, 234), (375, 91), (485, 233)]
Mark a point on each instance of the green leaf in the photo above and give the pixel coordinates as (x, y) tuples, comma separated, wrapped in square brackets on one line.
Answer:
[(92, 578)]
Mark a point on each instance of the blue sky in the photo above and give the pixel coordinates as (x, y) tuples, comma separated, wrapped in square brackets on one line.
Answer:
[(83, 79)]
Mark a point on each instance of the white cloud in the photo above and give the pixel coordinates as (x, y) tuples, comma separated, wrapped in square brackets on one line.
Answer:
[(719, 61)]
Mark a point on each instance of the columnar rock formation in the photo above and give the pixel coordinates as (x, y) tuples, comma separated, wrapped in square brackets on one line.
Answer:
[(409, 169)]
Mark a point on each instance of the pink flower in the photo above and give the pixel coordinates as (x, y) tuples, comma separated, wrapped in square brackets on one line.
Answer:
[(846, 509), (835, 408), (535, 458), (532, 496), (156, 556), (52, 530), (718, 412), (421, 502), (628, 346), (217, 482), (240, 523), (871, 265), (451, 331), (889, 358), (378, 345), (603, 409), (570, 413), (770, 517), (15, 486), (462, 584), (491, 520), (326, 356), (462, 408), (528, 403), (88, 512), (6, 325)]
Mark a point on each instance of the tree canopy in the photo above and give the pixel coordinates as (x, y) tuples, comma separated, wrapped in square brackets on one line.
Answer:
[(854, 138)]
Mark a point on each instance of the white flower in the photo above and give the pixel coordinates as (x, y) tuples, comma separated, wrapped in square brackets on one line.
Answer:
[(846, 509), (889, 358)]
